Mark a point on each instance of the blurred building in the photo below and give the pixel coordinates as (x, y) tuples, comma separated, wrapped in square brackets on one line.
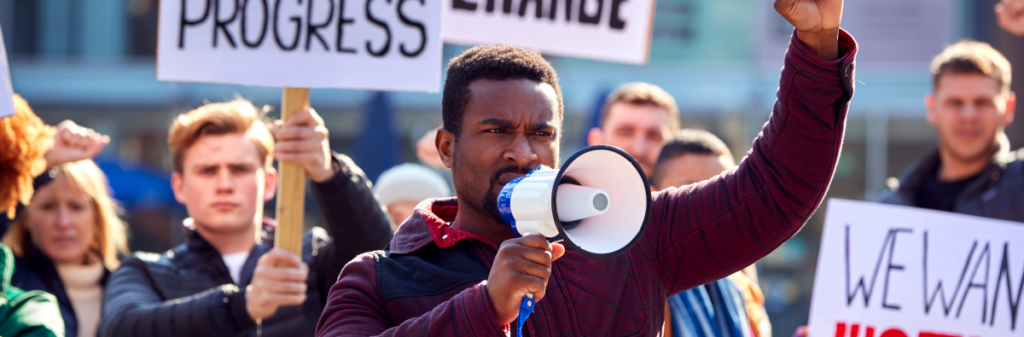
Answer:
[(93, 62)]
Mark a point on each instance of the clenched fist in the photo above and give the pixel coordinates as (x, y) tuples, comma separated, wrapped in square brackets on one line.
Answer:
[(303, 139), (521, 267), (279, 279), (816, 23), (72, 143), (1010, 14)]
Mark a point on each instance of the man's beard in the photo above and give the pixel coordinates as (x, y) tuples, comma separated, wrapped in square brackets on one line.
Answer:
[(489, 203)]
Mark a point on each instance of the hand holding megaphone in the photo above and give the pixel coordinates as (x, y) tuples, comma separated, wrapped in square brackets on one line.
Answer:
[(521, 267)]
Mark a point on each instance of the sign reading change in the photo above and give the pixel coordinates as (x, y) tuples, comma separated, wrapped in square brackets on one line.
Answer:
[(608, 30), (890, 271), (358, 44)]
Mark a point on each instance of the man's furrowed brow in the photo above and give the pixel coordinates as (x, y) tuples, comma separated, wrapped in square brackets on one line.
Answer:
[(503, 123), (543, 125)]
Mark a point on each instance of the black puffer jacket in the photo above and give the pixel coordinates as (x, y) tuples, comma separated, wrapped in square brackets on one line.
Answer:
[(998, 192), (189, 292)]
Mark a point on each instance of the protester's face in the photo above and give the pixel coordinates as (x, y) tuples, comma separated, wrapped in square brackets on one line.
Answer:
[(969, 111), (223, 183), (508, 128), (690, 168), (638, 129), (61, 221), (400, 210)]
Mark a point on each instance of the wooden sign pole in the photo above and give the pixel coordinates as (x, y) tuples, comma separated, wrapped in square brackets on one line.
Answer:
[(291, 187)]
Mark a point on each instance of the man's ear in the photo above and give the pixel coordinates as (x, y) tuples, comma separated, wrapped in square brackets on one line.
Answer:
[(269, 184), (177, 185), (929, 106), (445, 143), (1011, 107), (595, 137)]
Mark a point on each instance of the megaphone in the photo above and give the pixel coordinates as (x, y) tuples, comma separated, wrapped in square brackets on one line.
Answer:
[(598, 202)]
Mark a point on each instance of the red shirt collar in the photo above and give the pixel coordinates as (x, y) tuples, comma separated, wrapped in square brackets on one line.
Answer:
[(431, 223)]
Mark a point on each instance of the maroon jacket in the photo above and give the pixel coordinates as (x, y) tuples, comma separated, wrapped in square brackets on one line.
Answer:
[(432, 279)]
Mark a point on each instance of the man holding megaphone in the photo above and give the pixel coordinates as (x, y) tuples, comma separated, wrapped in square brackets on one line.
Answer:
[(457, 267)]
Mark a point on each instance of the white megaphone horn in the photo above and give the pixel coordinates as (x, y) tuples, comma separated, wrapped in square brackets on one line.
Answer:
[(599, 202)]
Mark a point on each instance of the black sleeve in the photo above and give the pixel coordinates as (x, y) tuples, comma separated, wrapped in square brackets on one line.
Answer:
[(132, 307), (356, 221)]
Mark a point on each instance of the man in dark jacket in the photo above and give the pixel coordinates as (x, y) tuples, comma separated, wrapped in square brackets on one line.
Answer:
[(227, 280), (973, 170), (455, 269)]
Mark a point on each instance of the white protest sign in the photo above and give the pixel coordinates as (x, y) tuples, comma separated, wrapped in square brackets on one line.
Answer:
[(608, 30), (6, 91), (358, 44), (891, 271)]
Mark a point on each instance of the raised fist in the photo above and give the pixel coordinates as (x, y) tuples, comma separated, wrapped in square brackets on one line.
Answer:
[(1010, 14), (73, 143), (816, 23)]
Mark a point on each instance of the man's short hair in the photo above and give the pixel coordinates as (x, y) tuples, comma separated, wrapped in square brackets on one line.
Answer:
[(972, 57), (237, 116), (690, 141), (494, 62), (642, 93)]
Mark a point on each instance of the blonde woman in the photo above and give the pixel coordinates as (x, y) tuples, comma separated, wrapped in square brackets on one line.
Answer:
[(67, 243), (68, 238)]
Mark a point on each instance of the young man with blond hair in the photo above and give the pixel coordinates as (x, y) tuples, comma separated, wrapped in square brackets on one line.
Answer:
[(227, 280), (638, 118), (973, 170)]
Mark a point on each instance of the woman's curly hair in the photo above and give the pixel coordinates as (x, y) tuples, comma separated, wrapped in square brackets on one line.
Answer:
[(24, 139)]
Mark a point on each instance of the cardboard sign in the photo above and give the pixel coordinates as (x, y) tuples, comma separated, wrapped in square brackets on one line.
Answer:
[(358, 44), (6, 91), (608, 30), (890, 271)]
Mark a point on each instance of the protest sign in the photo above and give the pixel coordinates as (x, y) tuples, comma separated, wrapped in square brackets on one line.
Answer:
[(296, 44), (6, 91), (608, 30), (891, 271), (357, 44)]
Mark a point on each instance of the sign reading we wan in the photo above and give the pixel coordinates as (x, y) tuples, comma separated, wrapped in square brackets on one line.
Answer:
[(890, 271)]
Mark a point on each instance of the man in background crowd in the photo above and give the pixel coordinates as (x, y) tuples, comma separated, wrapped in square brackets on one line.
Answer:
[(227, 279), (736, 305), (637, 118), (973, 170), (402, 187)]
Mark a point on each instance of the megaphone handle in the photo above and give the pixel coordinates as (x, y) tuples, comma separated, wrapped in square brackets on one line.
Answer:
[(525, 309)]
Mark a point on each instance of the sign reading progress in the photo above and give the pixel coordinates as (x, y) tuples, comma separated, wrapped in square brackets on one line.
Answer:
[(607, 30), (891, 271), (357, 44)]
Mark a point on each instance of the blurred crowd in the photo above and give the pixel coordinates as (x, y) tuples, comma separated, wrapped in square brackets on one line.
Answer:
[(67, 269)]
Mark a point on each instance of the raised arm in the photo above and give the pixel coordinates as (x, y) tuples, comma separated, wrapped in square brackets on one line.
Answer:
[(354, 308), (706, 231), (131, 307)]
